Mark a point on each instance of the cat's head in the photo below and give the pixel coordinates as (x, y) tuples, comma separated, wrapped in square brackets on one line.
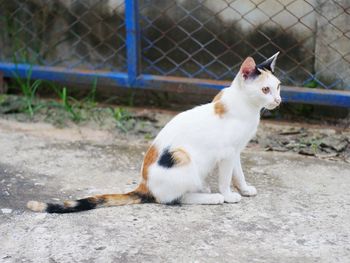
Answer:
[(258, 82)]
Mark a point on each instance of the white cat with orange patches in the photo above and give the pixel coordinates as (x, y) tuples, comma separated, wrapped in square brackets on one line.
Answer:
[(189, 148)]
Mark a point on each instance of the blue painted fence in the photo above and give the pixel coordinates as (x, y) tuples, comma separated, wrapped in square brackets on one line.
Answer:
[(134, 78)]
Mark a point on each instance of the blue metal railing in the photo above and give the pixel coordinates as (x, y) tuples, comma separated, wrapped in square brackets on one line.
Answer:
[(134, 77)]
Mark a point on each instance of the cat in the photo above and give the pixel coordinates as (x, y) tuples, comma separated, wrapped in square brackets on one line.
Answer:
[(194, 143)]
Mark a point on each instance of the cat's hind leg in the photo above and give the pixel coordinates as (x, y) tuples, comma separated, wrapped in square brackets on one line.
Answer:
[(175, 178), (173, 175), (180, 185)]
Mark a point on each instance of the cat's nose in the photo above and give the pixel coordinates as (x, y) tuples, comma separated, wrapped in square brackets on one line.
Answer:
[(278, 100)]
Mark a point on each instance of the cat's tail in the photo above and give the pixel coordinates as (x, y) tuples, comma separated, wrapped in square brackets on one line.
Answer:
[(137, 196)]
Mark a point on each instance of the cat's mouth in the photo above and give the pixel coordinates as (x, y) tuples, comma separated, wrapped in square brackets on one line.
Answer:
[(272, 106)]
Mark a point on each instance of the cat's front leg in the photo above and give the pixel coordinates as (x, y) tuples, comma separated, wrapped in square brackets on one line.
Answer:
[(239, 179), (225, 177)]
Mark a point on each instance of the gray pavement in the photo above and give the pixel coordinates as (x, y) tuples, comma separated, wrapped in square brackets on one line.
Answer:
[(301, 212)]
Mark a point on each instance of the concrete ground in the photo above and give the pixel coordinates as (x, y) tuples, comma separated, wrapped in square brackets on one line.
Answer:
[(301, 212)]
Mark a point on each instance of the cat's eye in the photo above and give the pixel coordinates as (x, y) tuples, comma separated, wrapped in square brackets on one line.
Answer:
[(266, 90)]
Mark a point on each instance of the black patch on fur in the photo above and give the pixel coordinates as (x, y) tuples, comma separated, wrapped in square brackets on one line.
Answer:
[(82, 205), (166, 159), (175, 202), (145, 198), (266, 65), (255, 74)]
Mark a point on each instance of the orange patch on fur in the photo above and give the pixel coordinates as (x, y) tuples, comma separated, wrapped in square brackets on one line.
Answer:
[(180, 156), (150, 158), (218, 96), (118, 199), (219, 108), (142, 188), (95, 199), (69, 203)]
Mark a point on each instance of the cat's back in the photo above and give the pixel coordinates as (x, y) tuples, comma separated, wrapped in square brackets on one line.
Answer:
[(204, 126), (187, 123)]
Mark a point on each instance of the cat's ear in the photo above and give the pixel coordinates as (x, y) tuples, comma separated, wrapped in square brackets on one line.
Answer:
[(248, 68), (269, 64)]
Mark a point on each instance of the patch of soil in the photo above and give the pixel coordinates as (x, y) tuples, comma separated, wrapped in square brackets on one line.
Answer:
[(319, 141), (107, 121)]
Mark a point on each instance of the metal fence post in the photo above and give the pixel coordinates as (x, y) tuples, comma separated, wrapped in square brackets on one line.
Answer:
[(132, 40)]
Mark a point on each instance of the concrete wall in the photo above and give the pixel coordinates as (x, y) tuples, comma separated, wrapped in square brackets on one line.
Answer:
[(333, 43), (270, 12)]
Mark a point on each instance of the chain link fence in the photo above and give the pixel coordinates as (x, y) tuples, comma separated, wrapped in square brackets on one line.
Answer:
[(209, 39), (188, 38), (72, 34)]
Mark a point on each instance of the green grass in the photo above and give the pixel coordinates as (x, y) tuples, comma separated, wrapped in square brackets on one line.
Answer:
[(90, 100), (29, 89), (311, 84), (72, 106), (68, 107), (122, 118), (2, 98)]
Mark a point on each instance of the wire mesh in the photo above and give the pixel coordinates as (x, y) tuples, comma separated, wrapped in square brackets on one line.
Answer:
[(209, 39), (82, 34), (188, 38)]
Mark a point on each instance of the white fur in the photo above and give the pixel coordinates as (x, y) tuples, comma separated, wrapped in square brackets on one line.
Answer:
[(273, 63), (210, 141), (37, 206)]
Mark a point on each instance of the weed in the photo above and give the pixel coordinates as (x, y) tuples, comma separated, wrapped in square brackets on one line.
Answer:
[(90, 100), (121, 114), (148, 137), (313, 143), (314, 147), (69, 104), (3, 99), (122, 117), (131, 98), (29, 89), (75, 115), (311, 84)]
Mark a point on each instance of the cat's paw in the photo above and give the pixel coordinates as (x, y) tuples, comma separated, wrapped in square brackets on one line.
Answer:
[(248, 191), (217, 198), (232, 197)]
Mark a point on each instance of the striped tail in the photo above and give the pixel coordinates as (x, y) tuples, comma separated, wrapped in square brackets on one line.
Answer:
[(134, 197)]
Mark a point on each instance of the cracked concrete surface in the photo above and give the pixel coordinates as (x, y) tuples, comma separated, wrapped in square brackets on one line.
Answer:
[(301, 212)]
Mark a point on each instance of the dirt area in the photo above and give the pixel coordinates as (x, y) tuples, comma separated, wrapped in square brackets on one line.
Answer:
[(321, 140), (300, 214)]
